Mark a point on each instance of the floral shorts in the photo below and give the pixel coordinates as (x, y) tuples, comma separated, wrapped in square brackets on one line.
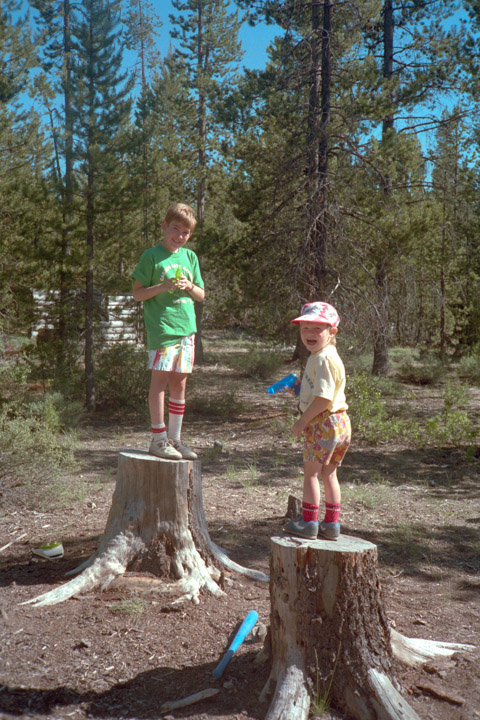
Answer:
[(174, 358), (326, 438)]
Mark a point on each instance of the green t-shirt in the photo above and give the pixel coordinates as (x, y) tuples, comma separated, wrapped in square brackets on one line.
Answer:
[(169, 317)]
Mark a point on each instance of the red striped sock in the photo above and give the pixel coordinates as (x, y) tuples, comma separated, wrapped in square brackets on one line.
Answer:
[(159, 432), (176, 409), (309, 512), (332, 512)]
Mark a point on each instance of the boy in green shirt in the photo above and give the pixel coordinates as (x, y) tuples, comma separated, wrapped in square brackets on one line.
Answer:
[(167, 281)]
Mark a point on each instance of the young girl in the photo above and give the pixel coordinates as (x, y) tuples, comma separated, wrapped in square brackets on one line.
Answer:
[(324, 422)]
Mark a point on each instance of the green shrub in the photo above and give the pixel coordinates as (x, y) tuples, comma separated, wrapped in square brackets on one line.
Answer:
[(121, 377), (225, 406), (421, 373), (55, 411), (469, 368), (259, 364), (32, 445), (57, 366), (14, 372), (371, 419), (453, 425)]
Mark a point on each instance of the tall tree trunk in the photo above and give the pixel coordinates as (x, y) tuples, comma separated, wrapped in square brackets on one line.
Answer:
[(443, 337), (89, 301), (317, 151), (144, 132), (380, 343), (67, 211), (202, 167)]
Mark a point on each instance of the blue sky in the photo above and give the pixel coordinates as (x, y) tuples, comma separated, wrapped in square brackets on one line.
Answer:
[(255, 40)]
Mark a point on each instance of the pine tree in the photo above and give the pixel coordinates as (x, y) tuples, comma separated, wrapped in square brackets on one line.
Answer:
[(101, 107), (55, 20), (210, 50), (142, 25), (302, 123), (17, 53), (454, 246), (22, 160), (416, 62)]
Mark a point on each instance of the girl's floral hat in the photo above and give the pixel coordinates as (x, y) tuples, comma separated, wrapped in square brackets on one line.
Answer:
[(319, 312)]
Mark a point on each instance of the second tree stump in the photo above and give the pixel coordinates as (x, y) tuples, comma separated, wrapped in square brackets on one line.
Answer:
[(329, 635)]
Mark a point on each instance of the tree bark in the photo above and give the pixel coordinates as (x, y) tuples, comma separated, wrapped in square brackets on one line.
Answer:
[(318, 122), (380, 344), (329, 636), (156, 526)]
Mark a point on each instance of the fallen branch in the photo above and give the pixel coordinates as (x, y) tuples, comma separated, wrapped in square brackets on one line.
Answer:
[(190, 700), (12, 542)]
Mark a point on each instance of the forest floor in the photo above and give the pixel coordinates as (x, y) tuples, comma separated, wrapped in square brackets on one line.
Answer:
[(110, 655)]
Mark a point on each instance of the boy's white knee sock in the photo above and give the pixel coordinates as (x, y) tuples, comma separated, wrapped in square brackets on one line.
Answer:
[(176, 409)]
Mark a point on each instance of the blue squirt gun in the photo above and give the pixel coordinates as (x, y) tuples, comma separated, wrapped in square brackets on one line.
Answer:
[(289, 381)]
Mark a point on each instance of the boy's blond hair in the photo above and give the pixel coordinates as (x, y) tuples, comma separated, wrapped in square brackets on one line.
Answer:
[(182, 213)]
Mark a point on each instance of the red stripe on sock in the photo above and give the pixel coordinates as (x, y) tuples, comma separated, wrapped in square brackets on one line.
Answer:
[(159, 430), (309, 512), (176, 408), (332, 512)]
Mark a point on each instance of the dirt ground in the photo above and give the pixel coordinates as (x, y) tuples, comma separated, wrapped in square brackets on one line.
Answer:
[(110, 655)]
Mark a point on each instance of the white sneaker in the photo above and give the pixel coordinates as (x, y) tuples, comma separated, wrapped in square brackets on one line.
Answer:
[(50, 551), (164, 449), (185, 451)]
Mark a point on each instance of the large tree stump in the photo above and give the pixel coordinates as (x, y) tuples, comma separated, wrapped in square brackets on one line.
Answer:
[(329, 635), (156, 525)]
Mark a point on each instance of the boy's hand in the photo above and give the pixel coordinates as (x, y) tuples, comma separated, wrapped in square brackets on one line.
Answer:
[(183, 283), (170, 285)]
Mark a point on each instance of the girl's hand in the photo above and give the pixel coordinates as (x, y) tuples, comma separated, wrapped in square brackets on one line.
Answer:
[(298, 428)]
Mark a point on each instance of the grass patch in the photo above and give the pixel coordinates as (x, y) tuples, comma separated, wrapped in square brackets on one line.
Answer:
[(282, 425), (134, 607), (370, 496), (405, 541), (33, 444)]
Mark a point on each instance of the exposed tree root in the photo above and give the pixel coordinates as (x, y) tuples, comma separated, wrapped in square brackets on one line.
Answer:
[(291, 699), (414, 651), (157, 525), (222, 557), (391, 705)]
